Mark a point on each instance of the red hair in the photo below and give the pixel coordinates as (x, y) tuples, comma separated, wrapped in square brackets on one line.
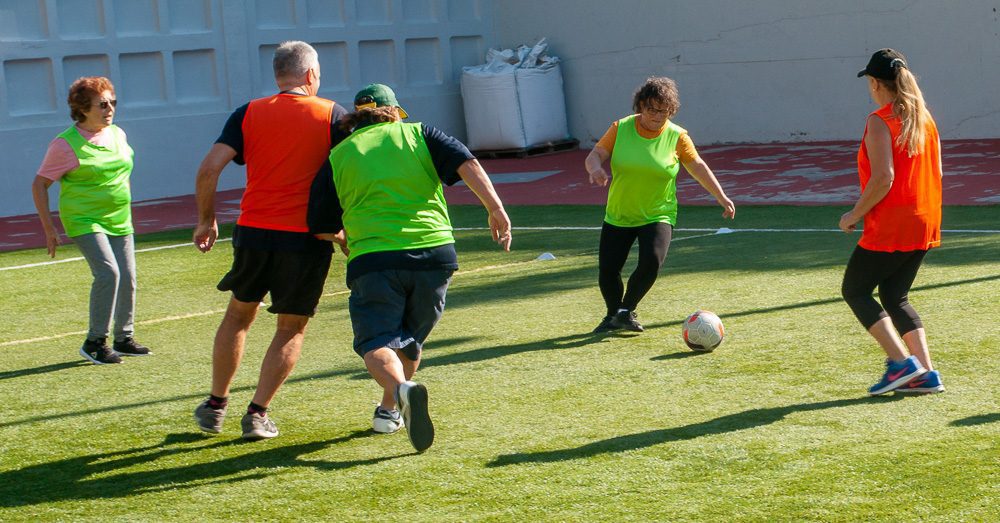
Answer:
[(82, 93)]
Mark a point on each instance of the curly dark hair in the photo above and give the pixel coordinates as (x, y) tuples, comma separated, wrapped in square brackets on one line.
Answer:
[(82, 93), (658, 89), (369, 116)]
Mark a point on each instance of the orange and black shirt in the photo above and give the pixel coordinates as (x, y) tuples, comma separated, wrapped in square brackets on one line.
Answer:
[(283, 140)]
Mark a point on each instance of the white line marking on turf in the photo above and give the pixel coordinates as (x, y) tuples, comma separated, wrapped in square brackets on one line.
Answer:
[(79, 258), (723, 230), (709, 232)]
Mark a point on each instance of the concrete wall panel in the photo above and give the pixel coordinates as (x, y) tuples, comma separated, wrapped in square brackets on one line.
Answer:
[(181, 66), (781, 70)]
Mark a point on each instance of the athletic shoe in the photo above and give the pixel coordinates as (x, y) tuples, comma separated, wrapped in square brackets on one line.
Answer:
[(98, 353), (209, 419), (258, 426), (129, 347), (896, 375), (605, 325), (412, 400), (626, 320), (386, 421), (926, 384)]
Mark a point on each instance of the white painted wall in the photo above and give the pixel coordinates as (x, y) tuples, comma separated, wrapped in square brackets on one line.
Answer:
[(181, 66), (765, 70), (749, 71)]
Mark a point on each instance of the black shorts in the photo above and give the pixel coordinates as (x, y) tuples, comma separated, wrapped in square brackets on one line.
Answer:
[(397, 308), (295, 279)]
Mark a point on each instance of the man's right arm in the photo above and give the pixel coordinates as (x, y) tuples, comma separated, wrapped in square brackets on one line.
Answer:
[(206, 183)]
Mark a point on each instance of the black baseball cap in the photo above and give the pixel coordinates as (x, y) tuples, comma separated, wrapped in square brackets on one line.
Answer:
[(884, 64)]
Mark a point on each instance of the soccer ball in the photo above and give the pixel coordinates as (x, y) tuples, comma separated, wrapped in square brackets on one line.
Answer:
[(703, 331)]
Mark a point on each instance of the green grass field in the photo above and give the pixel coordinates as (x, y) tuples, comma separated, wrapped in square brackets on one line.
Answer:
[(536, 418)]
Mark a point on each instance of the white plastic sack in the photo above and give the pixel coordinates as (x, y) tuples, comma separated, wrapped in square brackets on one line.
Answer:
[(492, 111), (542, 104), (514, 100)]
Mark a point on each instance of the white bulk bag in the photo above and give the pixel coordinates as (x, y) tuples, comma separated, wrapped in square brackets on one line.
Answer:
[(514, 100)]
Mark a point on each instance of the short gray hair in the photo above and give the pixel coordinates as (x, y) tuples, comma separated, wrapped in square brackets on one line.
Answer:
[(293, 58)]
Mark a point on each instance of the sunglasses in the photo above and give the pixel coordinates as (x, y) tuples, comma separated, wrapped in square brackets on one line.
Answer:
[(103, 104)]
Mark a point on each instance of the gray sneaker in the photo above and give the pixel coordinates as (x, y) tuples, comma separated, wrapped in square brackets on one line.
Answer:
[(258, 426), (412, 400), (209, 419)]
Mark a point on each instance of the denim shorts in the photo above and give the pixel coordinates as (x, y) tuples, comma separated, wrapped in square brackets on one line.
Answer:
[(397, 308)]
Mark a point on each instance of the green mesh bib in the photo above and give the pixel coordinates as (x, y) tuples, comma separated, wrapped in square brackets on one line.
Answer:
[(96, 196), (644, 176), (390, 191)]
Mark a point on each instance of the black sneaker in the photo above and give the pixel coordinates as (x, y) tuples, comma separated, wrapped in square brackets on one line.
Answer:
[(412, 400), (626, 320), (98, 353), (129, 347), (606, 325)]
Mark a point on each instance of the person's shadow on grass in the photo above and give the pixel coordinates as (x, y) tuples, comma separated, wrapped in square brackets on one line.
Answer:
[(44, 369), (747, 419), (94, 476), (980, 419), (430, 359)]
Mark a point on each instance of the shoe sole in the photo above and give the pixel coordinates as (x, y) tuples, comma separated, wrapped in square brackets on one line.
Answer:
[(921, 390), (902, 380), (95, 361), (376, 431), (628, 328), (129, 354), (257, 436), (418, 421)]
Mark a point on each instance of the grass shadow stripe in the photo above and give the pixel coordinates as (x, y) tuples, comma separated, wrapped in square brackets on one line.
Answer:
[(746, 420)]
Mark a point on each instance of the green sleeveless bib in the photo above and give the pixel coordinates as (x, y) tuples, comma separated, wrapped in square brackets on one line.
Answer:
[(96, 196), (644, 176), (390, 191)]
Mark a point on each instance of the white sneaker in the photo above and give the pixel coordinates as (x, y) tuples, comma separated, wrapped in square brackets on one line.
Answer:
[(386, 421), (412, 400)]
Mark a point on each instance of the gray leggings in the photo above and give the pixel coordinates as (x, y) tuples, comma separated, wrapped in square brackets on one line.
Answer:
[(112, 295)]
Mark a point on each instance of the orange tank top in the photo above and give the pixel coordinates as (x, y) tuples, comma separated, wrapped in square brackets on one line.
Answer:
[(908, 218), (286, 138)]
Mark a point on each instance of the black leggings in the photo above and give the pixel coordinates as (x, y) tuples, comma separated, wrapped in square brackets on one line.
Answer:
[(893, 273), (616, 242)]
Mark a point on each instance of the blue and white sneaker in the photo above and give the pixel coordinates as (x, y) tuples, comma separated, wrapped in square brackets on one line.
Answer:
[(412, 400), (896, 375), (386, 421), (926, 384)]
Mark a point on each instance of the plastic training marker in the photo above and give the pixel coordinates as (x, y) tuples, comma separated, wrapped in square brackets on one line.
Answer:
[(725, 230), (545, 256)]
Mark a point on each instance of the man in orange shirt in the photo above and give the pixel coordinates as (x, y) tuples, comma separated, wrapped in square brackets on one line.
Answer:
[(283, 140)]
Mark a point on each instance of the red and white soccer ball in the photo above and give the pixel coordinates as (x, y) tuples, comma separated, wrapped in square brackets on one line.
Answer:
[(703, 331)]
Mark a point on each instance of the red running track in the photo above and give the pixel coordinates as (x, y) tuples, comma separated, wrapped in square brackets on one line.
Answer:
[(770, 174)]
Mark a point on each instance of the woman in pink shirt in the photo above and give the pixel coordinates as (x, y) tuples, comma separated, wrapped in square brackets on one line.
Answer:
[(92, 162)]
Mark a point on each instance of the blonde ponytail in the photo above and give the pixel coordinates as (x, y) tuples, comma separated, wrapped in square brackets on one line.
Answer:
[(912, 111)]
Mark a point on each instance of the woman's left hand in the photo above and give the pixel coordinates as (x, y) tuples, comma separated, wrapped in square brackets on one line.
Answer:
[(52, 242), (728, 208), (848, 222)]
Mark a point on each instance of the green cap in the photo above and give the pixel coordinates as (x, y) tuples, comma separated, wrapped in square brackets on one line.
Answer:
[(377, 95)]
